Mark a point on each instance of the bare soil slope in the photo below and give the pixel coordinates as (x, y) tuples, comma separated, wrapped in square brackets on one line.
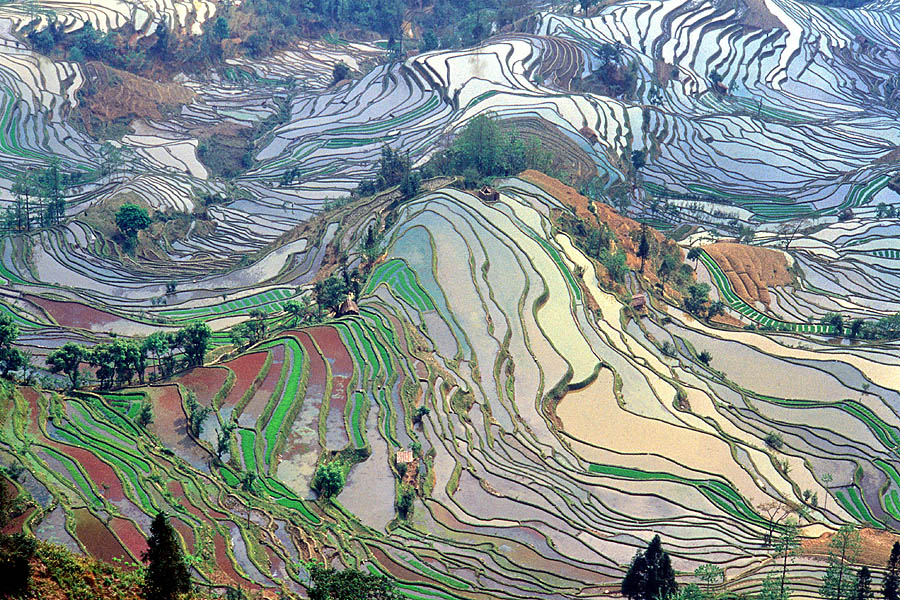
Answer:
[(751, 269)]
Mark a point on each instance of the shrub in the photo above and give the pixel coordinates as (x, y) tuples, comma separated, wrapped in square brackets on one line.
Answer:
[(774, 440), (405, 500), (329, 480), (15, 566)]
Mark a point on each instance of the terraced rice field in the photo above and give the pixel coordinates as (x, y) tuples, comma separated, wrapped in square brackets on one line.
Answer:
[(559, 436)]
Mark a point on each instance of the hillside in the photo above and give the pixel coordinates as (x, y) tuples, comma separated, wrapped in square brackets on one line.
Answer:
[(485, 314)]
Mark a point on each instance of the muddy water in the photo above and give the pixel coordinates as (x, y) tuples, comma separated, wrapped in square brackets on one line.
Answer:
[(97, 539)]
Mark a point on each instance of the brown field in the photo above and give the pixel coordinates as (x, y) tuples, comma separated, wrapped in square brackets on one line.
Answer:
[(112, 94), (623, 227), (876, 546), (751, 269)]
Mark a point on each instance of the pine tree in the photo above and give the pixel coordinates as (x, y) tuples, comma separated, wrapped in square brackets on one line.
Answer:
[(643, 249), (650, 576), (167, 574), (863, 588), (892, 578), (844, 548)]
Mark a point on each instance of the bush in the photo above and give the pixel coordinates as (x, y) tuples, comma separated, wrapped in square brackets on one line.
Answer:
[(405, 500), (774, 440), (15, 566), (340, 72), (329, 480)]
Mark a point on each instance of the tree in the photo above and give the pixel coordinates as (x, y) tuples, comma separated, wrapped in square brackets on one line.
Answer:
[(826, 479), (329, 480), (159, 344), (844, 548), (709, 574), (145, 417), (405, 499), (248, 478), (835, 321), (331, 292), (167, 573), (862, 590), (256, 326), (16, 552), (771, 589), (340, 72), (223, 440), (67, 359), (694, 253), (161, 46), (419, 413), (650, 576), (11, 359), (698, 296), (643, 249), (130, 219), (775, 511), (349, 584), (891, 587), (240, 335), (585, 5), (786, 546), (195, 341), (22, 189), (196, 413), (638, 160)]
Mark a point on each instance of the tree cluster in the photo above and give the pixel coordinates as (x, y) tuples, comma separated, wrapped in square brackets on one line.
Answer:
[(885, 328), (394, 168), (12, 359), (698, 303), (118, 362), (130, 219), (39, 197), (348, 584), (486, 148), (885, 211)]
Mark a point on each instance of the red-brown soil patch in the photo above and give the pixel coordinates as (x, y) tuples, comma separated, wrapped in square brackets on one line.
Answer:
[(329, 340), (226, 568), (727, 320), (99, 473), (130, 535), (245, 369), (170, 424), (177, 490), (74, 314), (205, 382), (315, 390), (97, 539), (111, 94), (96, 579), (758, 16), (257, 403), (396, 570), (32, 397), (15, 524), (625, 229), (876, 546), (187, 535), (751, 270)]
